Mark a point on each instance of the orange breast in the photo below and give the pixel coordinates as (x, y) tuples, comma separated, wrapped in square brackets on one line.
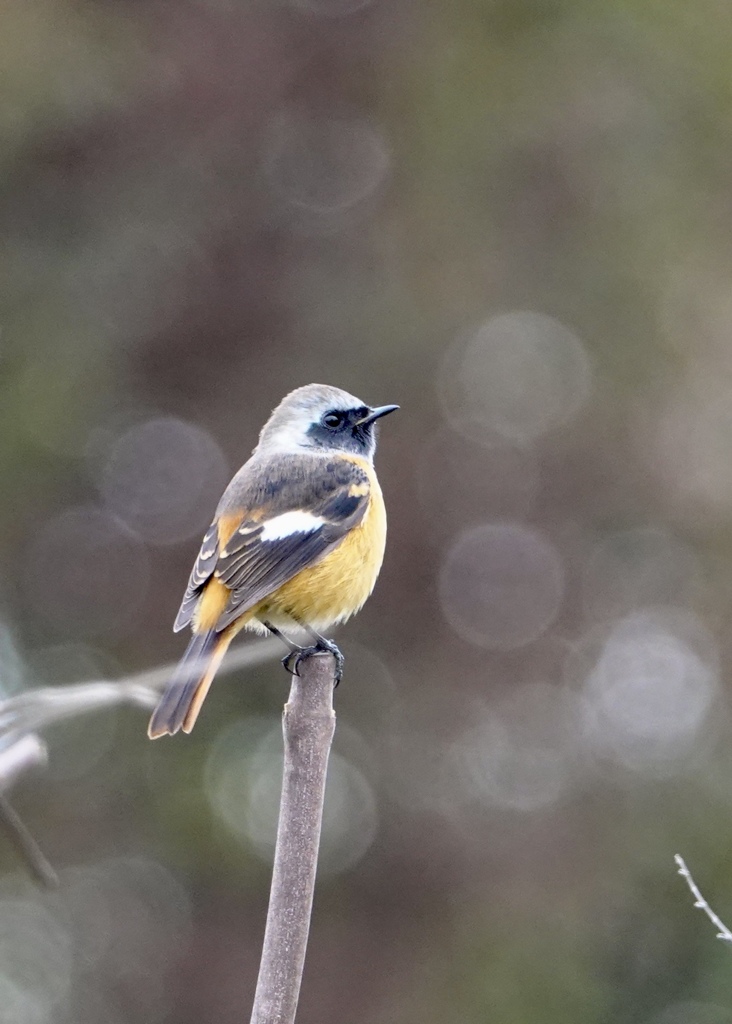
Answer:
[(328, 592), (336, 587)]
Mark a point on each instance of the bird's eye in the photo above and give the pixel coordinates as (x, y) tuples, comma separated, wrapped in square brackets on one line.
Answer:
[(333, 420)]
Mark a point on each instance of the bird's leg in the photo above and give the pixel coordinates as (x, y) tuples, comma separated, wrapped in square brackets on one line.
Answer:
[(295, 651), (323, 644)]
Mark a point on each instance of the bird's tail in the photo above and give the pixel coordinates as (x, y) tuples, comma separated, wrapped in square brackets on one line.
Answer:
[(185, 693)]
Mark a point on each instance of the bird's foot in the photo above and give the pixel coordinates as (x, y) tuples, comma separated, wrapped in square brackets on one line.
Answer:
[(292, 660), (323, 644)]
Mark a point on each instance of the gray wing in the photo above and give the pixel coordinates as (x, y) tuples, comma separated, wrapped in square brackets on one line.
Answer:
[(202, 570), (325, 498)]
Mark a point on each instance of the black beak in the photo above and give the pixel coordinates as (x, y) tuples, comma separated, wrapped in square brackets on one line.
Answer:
[(375, 414)]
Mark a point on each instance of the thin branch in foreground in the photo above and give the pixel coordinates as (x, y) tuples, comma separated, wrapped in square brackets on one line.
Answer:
[(18, 755), (36, 708), (26, 846), (308, 724), (22, 715), (16, 758), (700, 903)]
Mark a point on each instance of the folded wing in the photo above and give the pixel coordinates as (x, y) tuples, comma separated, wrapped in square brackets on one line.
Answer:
[(283, 529)]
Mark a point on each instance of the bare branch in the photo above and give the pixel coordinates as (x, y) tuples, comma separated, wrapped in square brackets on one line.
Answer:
[(16, 757), (700, 903), (308, 724), (22, 715), (35, 709), (26, 845)]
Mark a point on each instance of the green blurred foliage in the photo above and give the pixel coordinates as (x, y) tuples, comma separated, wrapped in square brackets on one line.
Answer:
[(170, 245)]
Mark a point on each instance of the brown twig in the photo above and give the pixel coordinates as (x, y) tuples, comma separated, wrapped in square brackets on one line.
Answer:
[(308, 724)]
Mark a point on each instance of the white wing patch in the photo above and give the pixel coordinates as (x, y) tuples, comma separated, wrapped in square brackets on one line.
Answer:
[(289, 523)]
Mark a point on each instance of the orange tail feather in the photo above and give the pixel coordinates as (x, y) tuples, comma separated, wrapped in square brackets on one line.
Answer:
[(181, 702)]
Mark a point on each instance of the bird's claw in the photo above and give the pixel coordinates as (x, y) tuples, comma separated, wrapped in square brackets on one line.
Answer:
[(332, 648), (292, 659)]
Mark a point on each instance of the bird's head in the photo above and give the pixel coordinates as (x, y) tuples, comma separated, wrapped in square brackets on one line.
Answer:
[(321, 418)]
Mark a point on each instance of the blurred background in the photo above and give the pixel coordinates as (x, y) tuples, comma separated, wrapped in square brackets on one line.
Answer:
[(512, 217)]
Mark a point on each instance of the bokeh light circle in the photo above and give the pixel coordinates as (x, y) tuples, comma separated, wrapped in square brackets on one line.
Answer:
[(325, 163), (519, 376), (129, 919), (650, 692), (161, 478), (349, 815), (244, 781), (501, 585), (36, 958), (519, 755)]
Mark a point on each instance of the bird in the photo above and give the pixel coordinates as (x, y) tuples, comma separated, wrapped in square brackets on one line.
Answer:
[(297, 541)]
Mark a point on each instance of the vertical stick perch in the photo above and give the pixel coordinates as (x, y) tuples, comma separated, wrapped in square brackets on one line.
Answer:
[(308, 724)]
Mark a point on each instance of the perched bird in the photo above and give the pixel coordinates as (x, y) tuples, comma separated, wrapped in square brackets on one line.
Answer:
[(297, 541)]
